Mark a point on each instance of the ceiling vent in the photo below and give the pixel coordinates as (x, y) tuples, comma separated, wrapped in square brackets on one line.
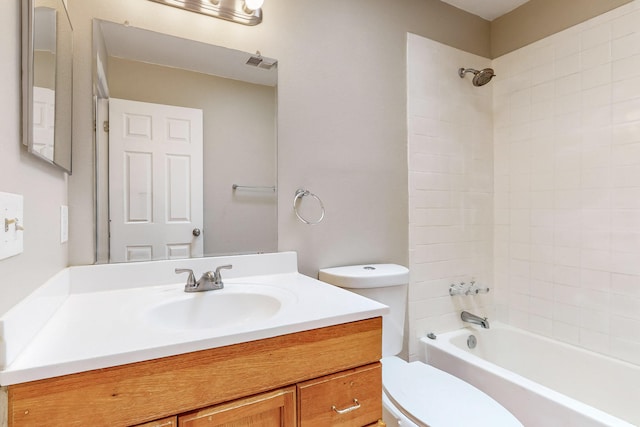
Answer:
[(261, 62)]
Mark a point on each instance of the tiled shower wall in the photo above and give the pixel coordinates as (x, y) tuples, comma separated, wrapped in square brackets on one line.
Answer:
[(450, 186), (567, 184)]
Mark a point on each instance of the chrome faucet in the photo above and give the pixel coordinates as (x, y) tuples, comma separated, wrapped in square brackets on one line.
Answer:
[(472, 318), (210, 281)]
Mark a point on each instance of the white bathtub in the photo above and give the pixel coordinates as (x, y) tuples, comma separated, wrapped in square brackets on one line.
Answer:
[(544, 383)]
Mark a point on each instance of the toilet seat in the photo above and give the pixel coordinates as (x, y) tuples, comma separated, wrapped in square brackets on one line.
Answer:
[(432, 397)]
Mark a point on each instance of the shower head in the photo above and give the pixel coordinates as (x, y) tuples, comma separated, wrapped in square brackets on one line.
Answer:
[(480, 78)]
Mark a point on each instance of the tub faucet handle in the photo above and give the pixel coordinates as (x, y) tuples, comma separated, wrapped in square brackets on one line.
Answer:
[(456, 289)]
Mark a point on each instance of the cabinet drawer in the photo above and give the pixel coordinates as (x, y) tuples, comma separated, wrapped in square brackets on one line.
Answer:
[(165, 422), (276, 408), (351, 398)]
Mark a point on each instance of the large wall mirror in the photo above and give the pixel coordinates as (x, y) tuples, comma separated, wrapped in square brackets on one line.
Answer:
[(186, 147), (47, 57)]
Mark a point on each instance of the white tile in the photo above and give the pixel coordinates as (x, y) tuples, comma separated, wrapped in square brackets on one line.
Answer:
[(626, 111), (626, 90), (598, 156), (566, 332), (625, 24), (567, 219), (625, 46), (541, 325), (596, 55), (543, 73), (593, 340), (565, 313), (601, 136), (626, 350), (625, 328), (597, 259), (627, 285), (627, 133), (597, 76), (625, 306), (626, 176), (595, 97), (595, 279), (625, 198), (567, 45), (625, 241), (596, 219), (595, 36), (567, 280), (625, 263), (544, 237), (626, 68), (596, 199), (625, 220), (596, 239), (567, 65), (566, 256), (568, 84), (595, 301)]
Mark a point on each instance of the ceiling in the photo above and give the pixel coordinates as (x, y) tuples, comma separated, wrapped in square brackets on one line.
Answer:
[(487, 9)]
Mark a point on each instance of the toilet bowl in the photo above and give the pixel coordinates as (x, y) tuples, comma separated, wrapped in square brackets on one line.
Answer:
[(415, 394)]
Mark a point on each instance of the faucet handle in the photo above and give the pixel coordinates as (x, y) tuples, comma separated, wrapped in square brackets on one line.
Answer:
[(217, 277), (191, 280)]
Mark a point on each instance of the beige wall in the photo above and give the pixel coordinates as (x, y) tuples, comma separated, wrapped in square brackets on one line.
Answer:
[(341, 112), (44, 187), (239, 147), (537, 19)]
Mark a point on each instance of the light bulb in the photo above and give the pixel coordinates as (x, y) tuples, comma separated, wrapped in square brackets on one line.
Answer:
[(253, 4)]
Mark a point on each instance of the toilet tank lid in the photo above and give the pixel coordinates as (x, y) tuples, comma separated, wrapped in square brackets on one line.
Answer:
[(365, 275)]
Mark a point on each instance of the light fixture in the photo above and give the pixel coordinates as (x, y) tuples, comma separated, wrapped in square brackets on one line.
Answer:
[(253, 4), (246, 12)]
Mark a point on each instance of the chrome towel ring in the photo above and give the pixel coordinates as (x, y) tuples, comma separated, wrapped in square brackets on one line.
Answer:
[(300, 193)]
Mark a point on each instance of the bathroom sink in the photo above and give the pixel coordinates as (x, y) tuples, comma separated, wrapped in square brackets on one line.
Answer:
[(235, 305)]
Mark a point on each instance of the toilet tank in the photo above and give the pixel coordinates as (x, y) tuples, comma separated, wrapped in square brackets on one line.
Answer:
[(385, 283)]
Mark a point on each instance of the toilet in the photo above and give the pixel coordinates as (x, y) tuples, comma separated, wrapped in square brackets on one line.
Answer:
[(415, 394)]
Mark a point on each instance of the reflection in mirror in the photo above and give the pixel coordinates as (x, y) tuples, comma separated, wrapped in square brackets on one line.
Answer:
[(47, 81), (44, 80), (179, 123)]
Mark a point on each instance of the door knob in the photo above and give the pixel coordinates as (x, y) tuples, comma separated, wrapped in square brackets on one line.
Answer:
[(196, 232)]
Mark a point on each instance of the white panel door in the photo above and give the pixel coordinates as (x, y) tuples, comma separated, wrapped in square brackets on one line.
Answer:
[(43, 120), (155, 181)]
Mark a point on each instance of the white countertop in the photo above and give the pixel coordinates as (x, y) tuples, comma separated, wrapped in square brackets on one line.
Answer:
[(101, 325)]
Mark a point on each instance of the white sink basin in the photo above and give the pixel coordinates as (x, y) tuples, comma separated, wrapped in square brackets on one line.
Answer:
[(235, 305)]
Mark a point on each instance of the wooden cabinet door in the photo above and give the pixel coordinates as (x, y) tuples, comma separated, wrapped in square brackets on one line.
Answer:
[(276, 408), (165, 422), (351, 398)]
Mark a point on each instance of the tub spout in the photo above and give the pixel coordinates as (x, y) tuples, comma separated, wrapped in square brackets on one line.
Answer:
[(472, 318)]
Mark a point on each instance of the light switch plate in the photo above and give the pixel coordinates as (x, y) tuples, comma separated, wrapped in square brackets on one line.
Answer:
[(11, 224), (64, 224)]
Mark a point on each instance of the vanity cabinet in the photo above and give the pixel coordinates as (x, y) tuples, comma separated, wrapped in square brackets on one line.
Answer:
[(293, 376)]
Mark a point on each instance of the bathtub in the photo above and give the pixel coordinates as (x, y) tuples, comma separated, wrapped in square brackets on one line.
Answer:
[(544, 383)]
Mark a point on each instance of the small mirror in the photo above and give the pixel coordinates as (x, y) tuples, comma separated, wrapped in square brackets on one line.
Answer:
[(47, 42)]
